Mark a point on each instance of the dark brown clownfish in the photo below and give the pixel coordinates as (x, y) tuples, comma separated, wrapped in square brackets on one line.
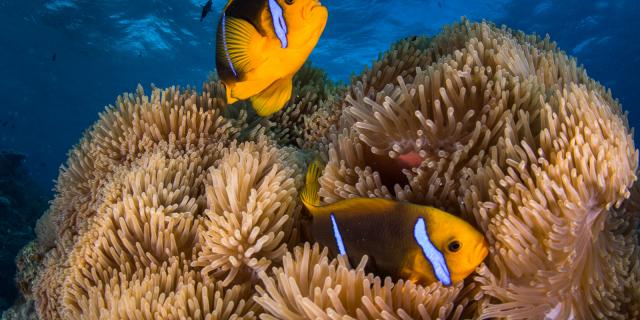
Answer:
[(419, 243)]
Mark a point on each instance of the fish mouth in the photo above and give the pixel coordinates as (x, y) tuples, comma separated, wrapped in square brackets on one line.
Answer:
[(312, 9), (480, 252), (478, 255)]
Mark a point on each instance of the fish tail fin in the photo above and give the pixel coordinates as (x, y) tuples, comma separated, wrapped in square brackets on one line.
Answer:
[(273, 98), (309, 194)]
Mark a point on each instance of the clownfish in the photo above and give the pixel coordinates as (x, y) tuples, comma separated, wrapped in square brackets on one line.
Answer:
[(418, 243), (261, 44)]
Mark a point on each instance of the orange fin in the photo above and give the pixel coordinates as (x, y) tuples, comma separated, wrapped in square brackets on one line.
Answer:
[(230, 99), (273, 98), (240, 41), (309, 194), (246, 89)]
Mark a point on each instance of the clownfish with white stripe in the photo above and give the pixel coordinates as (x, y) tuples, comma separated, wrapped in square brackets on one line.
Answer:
[(418, 243), (261, 44)]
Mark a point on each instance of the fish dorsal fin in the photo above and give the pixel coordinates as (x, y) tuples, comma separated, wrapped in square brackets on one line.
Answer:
[(309, 194), (364, 207), (227, 5), (273, 98), (238, 40)]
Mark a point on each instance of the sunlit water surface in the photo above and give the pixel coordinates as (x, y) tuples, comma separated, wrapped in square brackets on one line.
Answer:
[(106, 47)]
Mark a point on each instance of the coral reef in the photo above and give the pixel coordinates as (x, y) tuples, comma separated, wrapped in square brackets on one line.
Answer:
[(179, 206), (22, 201)]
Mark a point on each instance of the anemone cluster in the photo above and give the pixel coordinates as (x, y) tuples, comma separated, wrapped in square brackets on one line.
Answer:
[(179, 206)]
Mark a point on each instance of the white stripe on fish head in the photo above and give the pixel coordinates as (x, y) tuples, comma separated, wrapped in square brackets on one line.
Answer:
[(279, 23), (433, 255)]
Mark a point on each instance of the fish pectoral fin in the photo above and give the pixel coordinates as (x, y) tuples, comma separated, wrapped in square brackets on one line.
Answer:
[(273, 98), (415, 268), (230, 98), (241, 45), (415, 276)]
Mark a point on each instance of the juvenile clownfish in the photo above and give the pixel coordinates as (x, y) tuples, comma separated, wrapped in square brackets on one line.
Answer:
[(261, 44), (418, 243)]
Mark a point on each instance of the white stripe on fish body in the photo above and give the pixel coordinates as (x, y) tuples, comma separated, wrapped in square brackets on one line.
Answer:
[(338, 236), (433, 255)]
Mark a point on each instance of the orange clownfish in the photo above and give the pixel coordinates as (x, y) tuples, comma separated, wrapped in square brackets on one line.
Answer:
[(261, 44), (418, 243)]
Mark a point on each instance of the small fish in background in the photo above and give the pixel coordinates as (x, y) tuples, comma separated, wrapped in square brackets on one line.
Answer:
[(206, 9), (54, 57), (261, 44), (418, 243)]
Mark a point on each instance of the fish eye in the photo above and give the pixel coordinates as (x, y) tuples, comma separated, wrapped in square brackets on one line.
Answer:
[(454, 246), (289, 2)]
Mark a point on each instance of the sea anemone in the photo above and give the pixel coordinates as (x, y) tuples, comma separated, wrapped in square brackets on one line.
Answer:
[(296, 123), (251, 212), (135, 260), (175, 207), (172, 122), (181, 221), (400, 60), (575, 242), (514, 137), (183, 120), (310, 285)]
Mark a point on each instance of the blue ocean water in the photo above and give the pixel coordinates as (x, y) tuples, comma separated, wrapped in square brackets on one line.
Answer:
[(105, 47), (63, 61)]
